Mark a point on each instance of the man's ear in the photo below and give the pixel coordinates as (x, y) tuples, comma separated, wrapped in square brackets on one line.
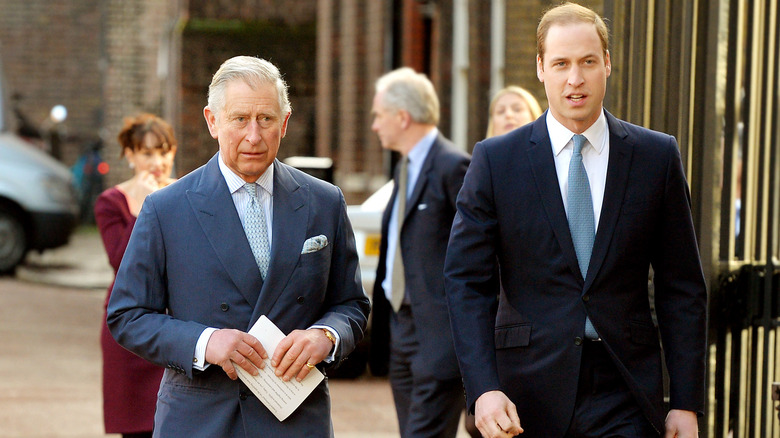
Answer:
[(406, 118), (608, 63), (211, 121), (284, 124), (539, 68)]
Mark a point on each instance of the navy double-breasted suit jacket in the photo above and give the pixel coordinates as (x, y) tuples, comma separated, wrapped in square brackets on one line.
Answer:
[(528, 343), (189, 266)]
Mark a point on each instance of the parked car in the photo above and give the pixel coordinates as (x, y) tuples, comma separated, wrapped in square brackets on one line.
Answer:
[(38, 203), (366, 221)]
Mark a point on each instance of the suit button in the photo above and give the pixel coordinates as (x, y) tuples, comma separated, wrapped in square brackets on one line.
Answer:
[(300, 300), (224, 307), (578, 341), (586, 298), (242, 395)]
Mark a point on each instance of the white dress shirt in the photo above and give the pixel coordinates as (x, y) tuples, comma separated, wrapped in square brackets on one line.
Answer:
[(595, 158), (416, 159)]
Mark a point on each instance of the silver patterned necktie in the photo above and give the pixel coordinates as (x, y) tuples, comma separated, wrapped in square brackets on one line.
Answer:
[(256, 229), (397, 283), (582, 223)]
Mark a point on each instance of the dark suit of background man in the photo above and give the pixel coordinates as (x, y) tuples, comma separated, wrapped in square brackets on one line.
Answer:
[(192, 281), (424, 376), (531, 352)]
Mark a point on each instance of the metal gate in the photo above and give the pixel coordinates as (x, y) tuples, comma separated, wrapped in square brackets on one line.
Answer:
[(707, 72)]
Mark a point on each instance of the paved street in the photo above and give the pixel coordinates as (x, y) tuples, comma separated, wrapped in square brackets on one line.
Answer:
[(50, 362)]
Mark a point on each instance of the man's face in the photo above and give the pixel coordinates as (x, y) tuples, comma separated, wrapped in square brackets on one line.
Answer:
[(388, 124), (249, 128), (574, 72)]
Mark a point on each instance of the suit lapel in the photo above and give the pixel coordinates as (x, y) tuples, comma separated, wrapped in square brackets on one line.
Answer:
[(422, 178), (386, 213), (620, 151), (215, 211), (543, 169), (291, 214)]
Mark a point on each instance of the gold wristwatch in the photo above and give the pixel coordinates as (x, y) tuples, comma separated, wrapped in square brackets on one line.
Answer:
[(330, 336)]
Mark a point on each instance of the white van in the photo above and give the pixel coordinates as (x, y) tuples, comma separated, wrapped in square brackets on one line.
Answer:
[(38, 202)]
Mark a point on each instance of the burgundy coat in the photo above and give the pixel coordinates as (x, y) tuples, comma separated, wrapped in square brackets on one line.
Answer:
[(130, 383)]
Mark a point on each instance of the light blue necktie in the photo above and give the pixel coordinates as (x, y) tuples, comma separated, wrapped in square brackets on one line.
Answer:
[(256, 229), (580, 215)]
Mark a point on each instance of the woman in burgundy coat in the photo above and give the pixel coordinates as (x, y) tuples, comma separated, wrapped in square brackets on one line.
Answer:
[(130, 383)]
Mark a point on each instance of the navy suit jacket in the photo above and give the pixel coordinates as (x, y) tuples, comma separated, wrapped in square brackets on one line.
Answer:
[(189, 266), (528, 342), (424, 235)]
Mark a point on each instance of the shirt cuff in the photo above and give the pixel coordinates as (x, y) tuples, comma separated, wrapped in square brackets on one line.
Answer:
[(335, 334), (199, 361)]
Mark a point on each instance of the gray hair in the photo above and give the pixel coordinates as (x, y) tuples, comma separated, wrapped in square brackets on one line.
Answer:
[(405, 89), (253, 71)]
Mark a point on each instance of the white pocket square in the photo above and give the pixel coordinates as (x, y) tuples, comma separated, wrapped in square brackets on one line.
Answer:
[(422, 206), (313, 244)]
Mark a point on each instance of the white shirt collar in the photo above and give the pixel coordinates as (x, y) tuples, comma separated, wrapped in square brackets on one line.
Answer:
[(234, 182), (560, 136)]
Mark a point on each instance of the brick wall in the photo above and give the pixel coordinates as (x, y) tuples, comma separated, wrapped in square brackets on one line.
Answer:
[(51, 55), (479, 71), (108, 59), (268, 29), (522, 17), (352, 57), (133, 61), (105, 60)]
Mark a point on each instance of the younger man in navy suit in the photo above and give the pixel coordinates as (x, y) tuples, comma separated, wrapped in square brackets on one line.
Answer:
[(572, 210)]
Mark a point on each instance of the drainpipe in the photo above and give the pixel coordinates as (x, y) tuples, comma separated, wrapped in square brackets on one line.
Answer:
[(460, 73), (497, 45)]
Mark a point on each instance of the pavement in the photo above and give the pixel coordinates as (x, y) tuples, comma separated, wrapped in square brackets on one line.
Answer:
[(50, 316), (82, 263)]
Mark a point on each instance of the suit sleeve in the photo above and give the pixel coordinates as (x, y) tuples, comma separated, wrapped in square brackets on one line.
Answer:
[(680, 292), (346, 306), (137, 308), (470, 278)]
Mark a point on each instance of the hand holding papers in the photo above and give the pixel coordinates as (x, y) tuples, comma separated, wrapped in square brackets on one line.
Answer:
[(280, 397)]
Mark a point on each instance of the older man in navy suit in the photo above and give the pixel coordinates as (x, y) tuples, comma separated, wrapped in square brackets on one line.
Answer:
[(410, 329), (241, 237), (571, 212)]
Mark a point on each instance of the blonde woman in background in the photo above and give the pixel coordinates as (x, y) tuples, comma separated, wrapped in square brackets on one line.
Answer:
[(512, 107)]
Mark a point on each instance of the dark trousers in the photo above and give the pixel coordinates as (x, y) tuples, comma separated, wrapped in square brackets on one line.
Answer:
[(605, 407), (426, 406)]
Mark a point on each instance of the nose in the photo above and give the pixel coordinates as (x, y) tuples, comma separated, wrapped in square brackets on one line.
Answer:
[(157, 160), (575, 76), (374, 126), (253, 136)]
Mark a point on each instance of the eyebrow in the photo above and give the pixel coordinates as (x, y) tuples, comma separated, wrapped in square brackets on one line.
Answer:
[(555, 59)]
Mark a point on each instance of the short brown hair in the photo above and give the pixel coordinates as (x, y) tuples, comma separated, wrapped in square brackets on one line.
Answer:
[(135, 129), (570, 13)]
